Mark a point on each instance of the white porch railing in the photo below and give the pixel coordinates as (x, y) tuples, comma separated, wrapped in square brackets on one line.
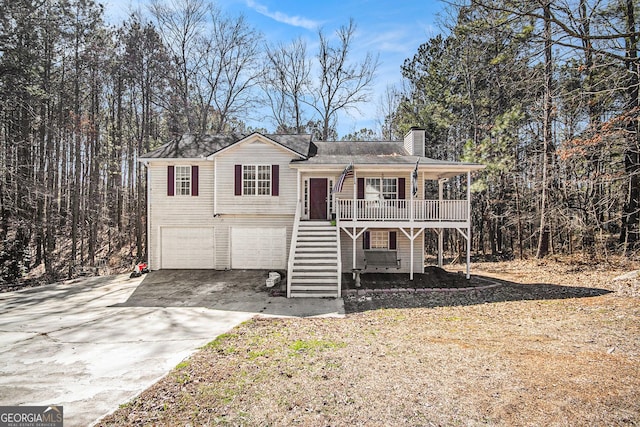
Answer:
[(400, 210)]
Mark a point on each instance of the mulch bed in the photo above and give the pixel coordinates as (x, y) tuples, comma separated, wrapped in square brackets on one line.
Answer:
[(432, 278)]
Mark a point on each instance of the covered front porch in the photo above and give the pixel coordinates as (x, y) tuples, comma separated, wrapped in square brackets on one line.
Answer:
[(411, 216), (380, 201)]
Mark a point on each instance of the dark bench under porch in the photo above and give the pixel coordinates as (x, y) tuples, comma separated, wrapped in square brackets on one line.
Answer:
[(374, 260)]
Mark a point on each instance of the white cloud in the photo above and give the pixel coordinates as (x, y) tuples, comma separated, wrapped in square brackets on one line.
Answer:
[(296, 21)]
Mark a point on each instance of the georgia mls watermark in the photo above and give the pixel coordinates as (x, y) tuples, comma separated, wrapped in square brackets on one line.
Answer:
[(31, 416)]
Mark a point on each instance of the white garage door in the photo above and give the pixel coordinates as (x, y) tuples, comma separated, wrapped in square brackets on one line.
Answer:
[(187, 247), (258, 248)]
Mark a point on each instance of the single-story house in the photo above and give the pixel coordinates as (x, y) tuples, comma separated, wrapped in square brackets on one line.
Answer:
[(285, 202)]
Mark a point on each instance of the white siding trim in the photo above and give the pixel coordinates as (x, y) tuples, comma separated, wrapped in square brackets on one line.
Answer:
[(215, 186)]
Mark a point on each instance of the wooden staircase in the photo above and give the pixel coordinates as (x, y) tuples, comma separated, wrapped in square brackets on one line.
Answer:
[(315, 268)]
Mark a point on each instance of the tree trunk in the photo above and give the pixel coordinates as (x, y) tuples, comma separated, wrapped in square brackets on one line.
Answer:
[(631, 217), (547, 146)]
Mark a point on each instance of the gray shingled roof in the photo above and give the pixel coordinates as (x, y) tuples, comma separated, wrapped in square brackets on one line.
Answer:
[(369, 153), (301, 144), (339, 153), (190, 146)]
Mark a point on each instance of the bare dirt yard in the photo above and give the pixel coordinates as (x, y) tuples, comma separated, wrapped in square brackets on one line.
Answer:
[(556, 343)]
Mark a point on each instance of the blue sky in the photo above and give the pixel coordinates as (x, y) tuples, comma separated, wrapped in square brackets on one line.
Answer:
[(391, 29)]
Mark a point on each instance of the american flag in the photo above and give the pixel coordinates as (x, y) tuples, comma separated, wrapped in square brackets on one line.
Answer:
[(347, 172)]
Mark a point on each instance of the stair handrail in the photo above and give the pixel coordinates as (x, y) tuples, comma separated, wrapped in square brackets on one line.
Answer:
[(292, 246), (339, 256)]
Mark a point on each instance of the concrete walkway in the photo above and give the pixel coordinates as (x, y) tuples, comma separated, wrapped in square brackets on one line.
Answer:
[(82, 346)]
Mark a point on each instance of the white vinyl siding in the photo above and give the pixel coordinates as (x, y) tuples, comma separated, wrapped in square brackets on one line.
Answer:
[(167, 211), (403, 252), (225, 210), (269, 154)]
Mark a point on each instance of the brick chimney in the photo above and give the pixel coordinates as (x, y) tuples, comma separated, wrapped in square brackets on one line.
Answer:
[(414, 141)]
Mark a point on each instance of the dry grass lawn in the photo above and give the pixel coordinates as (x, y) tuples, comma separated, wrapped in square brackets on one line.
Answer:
[(551, 346)]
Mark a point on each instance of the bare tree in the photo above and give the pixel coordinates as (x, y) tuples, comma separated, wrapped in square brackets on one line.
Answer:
[(343, 83), (217, 61), (388, 104), (182, 25), (232, 69), (285, 84)]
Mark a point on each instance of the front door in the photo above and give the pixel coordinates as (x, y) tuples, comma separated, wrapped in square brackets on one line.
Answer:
[(318, 198)]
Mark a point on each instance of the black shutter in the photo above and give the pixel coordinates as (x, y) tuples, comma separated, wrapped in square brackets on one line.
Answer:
[(275, 180), (401, 188), (171, 180), (238, 180), (393, 240), (194, 180)]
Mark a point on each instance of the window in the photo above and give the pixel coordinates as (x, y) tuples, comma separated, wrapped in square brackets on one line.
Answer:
[(306, 198), (379, 240), (256, 180), (381, 188), (331, 196), (183, 180)]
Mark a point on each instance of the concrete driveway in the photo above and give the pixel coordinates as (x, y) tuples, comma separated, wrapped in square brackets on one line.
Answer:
[(85, 346), (231, 290)]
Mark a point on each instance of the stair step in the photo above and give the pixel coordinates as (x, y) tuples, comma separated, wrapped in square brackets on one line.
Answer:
[(315, 243), (317, 249), (313, 288), (331, 239), (332, 280), (313, 295), (317, 235), (311, 257), (314, 273), (318, 263)]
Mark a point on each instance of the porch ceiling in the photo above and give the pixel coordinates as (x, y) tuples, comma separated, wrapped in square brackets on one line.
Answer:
[(429, 168)]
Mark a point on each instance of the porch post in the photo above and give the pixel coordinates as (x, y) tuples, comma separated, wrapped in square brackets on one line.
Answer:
[(215, 185), (353, 219), (411, 219), (440, 245), (468, 224), (298, 189), (411, 272), (441, 230)]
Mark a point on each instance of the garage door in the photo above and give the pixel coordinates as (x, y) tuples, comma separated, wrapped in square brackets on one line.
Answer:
[(258, 248), (187, 247)]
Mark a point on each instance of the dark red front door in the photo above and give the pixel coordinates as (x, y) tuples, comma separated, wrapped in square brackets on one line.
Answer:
[(318, 198)]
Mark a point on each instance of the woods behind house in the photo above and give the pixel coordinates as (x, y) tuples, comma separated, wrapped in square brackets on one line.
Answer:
[(545, 93)]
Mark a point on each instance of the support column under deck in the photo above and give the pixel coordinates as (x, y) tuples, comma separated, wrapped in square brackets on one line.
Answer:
[(468, 225)]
